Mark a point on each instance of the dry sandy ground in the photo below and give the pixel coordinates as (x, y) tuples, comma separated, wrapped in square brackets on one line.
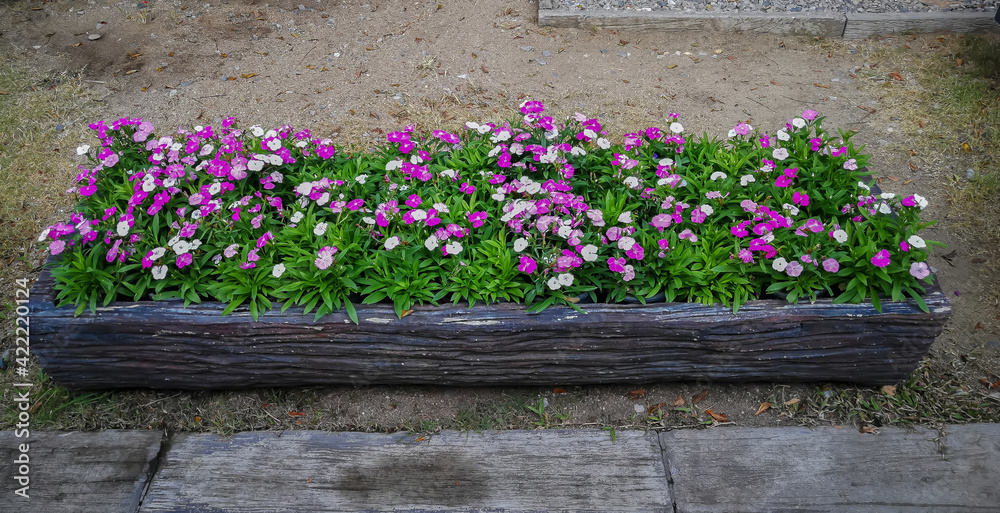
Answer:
[(359, 69)]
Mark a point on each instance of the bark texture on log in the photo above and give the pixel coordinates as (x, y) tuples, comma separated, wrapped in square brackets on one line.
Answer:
[(164, 345)]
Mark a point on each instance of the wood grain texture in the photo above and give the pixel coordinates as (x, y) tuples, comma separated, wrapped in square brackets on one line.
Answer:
[(508, 471), (162, 345), (834, 470), (861, 25), (102, 472), (811, 24)]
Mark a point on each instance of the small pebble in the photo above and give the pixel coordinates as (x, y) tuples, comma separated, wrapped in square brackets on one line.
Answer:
[(540, 62), (60, 127), (526, 48), (94, 37), (546, 54), (970, 173)]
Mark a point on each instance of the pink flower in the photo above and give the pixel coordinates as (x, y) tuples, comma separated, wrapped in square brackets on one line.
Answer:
[(616, 265), (746, 256), (628, 274), (794, 269), (230, 250), (324, 258), (742, 128), (659, 221), (831, 265), (252, 256), (851, 164), (57, 246), (527, 265), (184, 260), (881, 259), (919, 270), (809, 114), (688, 234)]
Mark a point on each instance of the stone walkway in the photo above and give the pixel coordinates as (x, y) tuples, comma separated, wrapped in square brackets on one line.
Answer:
[(713, 470)]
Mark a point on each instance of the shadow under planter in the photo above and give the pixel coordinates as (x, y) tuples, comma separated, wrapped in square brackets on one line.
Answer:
[(161, 344)]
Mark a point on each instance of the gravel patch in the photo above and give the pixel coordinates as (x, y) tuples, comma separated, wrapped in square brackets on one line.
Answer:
[(780, 6)]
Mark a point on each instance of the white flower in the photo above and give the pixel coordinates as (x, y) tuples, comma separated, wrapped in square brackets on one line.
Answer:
[(783, 135), (884, 208), (270, 133), (159, 272), (173, 240), (323, 199), (278, 270), (666, 162), (732, 133), (122, 228), (921, 201), (589, 252), (533, 188), (779, 264), (368, 220), (625, 217), (551, 135), (590, 134), (449, 173), (632, 182), (676, 127), (181, 247), (391, 242), (745, 179), (565, 231), (916, 241), (792, 209), (148, 185), (483, 129), (361, 179), (256, 131), (255, 165), (498, 196), (500, 136), (393, 165), (297, 216), (195, 244), (169, 182), (864, 186), (215, 188), (301, 144), (471, 125), (320, 229), (578, 151), (707, 209), (277, 177), (494, 151), (431, 243), (441, 207), (603, 143), (565, 279), (520, 243), (82, 149), (626, 243), (196, 215), (798, 122), (158, 253), (553, 283), (418, 214), (780, 154), (718, 175), (887, 195), (453, 248), (840, 236)]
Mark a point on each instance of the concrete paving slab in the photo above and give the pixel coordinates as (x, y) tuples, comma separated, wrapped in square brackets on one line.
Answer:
[(99, 472), (509, 471), (834, 470)]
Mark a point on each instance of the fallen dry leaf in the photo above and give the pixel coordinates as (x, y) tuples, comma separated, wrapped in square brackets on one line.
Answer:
[(966, 147), (679, 401), (405, 313), (249, 75), (197, 419), (309, 480), (865, 428), (912, 167), (763, 408), (700, 397), (791, 402), (558, 390), (958, 61), (719, 417), (776, 83), (821, 85), (296, 414), (654, 408), (896, 76), (889, 389), (637, 393)]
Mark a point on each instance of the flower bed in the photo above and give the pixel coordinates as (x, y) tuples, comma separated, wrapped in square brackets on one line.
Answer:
[(528, 212)]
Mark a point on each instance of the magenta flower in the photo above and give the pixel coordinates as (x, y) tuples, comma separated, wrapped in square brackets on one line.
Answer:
[(746, 256), (616, 265), (413, 201), (477, 218), (636, 252), (831, 265), (184, 260), (527, 265), (919, 270), (355, 204), (904, 246), (800, 198), (783, 181), (816, 143), (881, 259), (467, 188), (909, 201), (503, 160)]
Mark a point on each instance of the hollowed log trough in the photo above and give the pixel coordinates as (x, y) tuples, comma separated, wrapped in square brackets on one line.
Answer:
[(163, 345)]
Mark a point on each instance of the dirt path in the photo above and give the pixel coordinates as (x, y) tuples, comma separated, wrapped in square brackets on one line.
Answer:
[(359, 69)]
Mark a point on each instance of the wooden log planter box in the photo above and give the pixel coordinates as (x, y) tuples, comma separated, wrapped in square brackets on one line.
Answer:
[(165, 346)]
